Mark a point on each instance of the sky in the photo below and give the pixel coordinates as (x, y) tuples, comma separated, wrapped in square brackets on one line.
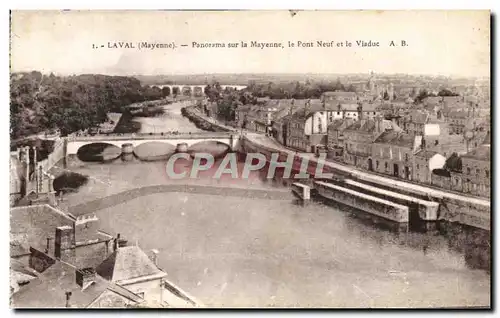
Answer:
[(455, 43)]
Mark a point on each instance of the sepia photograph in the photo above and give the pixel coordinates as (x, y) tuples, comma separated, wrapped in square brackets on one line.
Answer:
[(250, 159)]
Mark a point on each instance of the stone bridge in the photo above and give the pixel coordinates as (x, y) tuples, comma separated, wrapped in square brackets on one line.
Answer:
[(73, 144), (194, 90)]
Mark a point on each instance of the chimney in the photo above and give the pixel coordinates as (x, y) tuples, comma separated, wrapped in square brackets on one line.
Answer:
[(85, 277), (115, 242), (68, 297), (378, 124), (360, 111), (154, 256), (47, 248), (64, 242)]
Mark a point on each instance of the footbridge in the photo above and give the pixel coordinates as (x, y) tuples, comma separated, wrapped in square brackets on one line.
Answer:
[(74, 143)]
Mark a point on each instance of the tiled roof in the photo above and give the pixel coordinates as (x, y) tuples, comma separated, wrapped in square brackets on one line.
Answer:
[(48, 291), (370, 107), (32, 225), (483, 153), (363, 126), (349, 107), (340, 93), (427, 154), (458, 114), (127, 263), (337, 124), (395, 138), (418, 117)]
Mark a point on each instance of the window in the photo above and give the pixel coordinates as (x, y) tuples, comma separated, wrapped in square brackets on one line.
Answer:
[(338, 113), (406, 157), (487, 173), (418, 166), (477, 172), (376, 163), (468, 170), (386, 166), (436, 142)]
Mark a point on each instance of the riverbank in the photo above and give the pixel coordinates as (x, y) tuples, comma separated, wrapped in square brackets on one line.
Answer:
[(473, 212), (202, 122)]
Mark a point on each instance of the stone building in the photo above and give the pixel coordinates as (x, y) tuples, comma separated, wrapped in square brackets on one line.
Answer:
[(394, 153), (476, 171), (60, 260), (358, 141), (425, 162), (295, 133)]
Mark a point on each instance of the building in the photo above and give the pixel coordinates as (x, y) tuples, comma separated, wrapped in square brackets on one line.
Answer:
[(476, 173), (339, 97), (59, 260), (65, 286), (130, 268), (35, 227), (393, 153), (427, 161), (295, 132), (370, 110), (335, 139), (358, 141)]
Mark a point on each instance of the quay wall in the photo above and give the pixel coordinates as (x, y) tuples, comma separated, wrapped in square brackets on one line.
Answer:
[(201, 122), (463, 211), (370, 204)]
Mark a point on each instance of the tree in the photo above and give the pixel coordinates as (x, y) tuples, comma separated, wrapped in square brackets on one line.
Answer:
[(175, 91), (386, 95), (447, 92), (165, 91), (40, 103), (453, 163)]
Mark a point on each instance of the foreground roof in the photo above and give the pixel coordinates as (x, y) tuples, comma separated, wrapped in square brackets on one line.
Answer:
[(127, 263), (49, 290)]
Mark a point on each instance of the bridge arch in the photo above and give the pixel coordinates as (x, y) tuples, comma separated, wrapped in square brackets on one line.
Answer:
[(215, 148), (98, 151)]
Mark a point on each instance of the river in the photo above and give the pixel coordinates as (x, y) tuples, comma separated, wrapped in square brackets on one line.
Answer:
[(247, 252)]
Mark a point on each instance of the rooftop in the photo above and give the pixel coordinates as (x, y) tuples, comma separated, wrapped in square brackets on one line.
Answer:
[(395, 138), (49, 290), (427, 154), (483, 153), (32, 225), (340, 93), (127, 263)]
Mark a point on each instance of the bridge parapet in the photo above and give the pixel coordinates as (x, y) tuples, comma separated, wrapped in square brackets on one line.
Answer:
[(143, 136)]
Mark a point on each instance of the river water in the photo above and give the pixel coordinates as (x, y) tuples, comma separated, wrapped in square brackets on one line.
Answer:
[(248, 252)]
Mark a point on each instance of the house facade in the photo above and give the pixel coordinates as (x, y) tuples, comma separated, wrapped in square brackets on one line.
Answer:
[(358, 141), (476, 171), (393, 154)]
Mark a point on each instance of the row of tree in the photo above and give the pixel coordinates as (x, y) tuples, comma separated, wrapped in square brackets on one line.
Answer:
[(425, 93), (71, 103), (297, 89)]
